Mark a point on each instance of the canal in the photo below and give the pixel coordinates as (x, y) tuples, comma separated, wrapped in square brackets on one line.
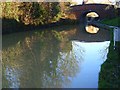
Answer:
[(59, 57)]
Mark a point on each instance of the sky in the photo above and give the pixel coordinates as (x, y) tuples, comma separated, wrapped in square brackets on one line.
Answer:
[(96, 1)]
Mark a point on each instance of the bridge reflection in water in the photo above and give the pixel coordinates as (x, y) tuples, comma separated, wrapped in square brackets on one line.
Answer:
[(54, 59), (91, 29), (82, 34)]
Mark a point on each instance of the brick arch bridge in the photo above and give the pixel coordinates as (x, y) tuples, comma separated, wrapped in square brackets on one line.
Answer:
[(103, 10)]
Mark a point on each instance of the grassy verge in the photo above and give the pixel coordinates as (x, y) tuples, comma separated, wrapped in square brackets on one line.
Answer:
[(113, 22), (110, 70)]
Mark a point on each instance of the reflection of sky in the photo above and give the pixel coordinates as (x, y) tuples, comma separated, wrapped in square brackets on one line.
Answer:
[(94, 54), (13, 77), (79, 68)]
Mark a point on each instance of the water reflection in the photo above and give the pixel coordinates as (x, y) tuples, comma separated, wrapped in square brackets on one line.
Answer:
[(91, 29), (39, 61), (94, 54), (51, 59)]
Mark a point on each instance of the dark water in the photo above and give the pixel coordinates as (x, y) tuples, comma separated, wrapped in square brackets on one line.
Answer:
[(61, 57)]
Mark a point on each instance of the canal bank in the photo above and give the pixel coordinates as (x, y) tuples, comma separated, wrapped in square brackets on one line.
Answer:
[(12, 26), (109, 76)]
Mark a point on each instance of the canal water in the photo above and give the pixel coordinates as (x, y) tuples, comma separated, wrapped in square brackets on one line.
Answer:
[(59, 57)]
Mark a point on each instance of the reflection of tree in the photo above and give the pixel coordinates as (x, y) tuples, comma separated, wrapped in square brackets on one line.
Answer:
[(40, 62), (9, 59), (104, 51), (78, 49)]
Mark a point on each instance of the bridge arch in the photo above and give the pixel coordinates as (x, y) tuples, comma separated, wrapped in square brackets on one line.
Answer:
[(92, 16), (85, 15), (103, 10)]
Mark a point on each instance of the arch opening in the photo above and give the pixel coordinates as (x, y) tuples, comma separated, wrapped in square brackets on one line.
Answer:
[(92, 16)]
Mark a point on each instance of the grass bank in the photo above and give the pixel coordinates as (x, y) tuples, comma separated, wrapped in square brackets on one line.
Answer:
[(109, 76), (113, 22), (110, 70)]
